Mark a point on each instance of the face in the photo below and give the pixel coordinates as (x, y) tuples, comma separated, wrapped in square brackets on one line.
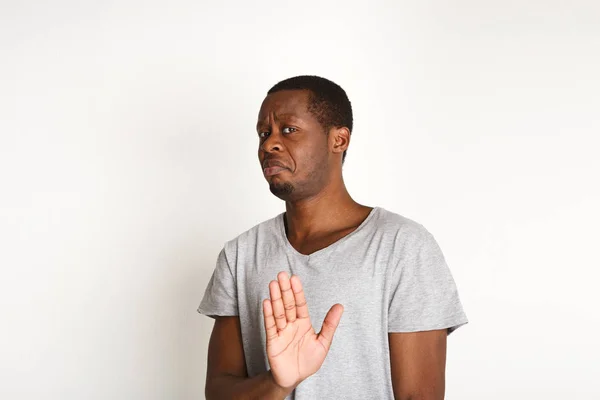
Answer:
[(294, 150)]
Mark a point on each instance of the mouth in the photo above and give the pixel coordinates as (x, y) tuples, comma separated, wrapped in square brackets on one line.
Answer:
[(270, 171), (273, 167)]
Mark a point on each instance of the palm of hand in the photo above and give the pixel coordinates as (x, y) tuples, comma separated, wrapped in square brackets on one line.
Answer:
[(294, 350)]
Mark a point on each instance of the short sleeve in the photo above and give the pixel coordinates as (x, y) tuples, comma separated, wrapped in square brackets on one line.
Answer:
[(424, 295), (220, 297)]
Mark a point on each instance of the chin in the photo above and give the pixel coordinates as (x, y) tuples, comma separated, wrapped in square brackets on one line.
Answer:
[(283, 190)]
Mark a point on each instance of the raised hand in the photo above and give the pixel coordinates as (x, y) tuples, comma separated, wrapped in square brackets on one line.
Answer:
[(294, 350)]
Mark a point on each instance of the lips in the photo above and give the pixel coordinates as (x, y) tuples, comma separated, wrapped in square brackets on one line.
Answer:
[(273, 170), (273, 167)]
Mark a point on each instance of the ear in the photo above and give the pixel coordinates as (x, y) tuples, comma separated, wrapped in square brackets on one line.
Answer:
[(339, 139)]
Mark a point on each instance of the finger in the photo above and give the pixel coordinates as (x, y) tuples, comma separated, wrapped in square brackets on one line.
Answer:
[(277, 303), (330, 324), (289, 303), (270, 326), (301, 306)]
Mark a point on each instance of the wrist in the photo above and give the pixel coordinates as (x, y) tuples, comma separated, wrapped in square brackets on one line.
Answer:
[(283, 389)]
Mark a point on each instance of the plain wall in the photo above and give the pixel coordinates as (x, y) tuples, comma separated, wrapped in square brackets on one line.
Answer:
[(128, 156)]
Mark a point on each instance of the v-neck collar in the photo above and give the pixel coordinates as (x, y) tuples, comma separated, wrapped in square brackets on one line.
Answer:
[(289, 247)]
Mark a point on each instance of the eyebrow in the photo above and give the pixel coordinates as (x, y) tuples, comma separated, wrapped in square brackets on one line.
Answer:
[(288, 116)]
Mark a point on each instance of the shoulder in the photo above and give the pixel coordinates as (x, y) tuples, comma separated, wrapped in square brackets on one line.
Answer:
[(258, 233), (401, 227), (415, 248), (406, 236)]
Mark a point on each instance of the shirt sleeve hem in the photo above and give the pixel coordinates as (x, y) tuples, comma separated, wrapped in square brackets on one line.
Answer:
[(451, 325), (210, 312)]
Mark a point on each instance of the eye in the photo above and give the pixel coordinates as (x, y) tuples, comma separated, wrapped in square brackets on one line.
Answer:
[(288, 129), (263, 135)]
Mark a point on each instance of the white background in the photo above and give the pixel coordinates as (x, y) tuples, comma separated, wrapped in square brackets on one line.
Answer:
[(128, 158)]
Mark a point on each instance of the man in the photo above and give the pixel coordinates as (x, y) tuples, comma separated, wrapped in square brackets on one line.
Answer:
[(326, 256)]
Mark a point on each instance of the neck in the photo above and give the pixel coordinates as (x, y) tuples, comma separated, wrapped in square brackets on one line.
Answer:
[(329, 210)]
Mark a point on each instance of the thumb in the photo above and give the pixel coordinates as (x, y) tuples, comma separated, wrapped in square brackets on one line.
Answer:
[(330, 324)]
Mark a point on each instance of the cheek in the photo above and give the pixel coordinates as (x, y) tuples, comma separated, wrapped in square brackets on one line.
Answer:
[(312, 158), (260, 152)]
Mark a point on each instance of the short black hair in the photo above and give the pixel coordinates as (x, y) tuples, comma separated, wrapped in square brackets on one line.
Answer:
[(328, 102)]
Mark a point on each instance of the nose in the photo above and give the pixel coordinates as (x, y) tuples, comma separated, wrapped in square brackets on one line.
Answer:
[(272, 142)]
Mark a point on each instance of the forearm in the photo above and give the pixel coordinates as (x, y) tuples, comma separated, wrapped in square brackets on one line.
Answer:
[(236, 388)]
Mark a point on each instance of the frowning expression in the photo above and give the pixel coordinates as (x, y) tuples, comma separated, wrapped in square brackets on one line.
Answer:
[(293, 146)]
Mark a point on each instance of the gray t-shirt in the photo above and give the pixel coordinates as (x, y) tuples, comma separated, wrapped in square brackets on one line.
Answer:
[(389, 274)]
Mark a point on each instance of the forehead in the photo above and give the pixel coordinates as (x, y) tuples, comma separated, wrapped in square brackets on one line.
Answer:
[(289, 102)]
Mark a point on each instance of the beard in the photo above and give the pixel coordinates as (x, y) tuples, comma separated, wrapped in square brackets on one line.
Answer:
[(282, 190)]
